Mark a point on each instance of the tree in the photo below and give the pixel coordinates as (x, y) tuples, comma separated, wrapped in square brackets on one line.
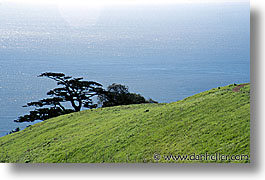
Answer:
[(118, 94), (76, 91)]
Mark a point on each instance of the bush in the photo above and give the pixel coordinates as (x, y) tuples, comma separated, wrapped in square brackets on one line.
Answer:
[(118, 94)]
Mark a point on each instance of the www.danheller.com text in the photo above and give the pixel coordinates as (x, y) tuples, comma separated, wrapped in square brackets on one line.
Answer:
[(201, 157)]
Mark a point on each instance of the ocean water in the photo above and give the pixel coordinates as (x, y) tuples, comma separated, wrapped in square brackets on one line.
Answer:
[(164, 52)]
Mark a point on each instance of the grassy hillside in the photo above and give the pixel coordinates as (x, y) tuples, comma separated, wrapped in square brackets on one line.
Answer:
[(215, 121)]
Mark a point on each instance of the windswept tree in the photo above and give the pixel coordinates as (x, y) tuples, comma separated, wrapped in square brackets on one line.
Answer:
[(77, 92)]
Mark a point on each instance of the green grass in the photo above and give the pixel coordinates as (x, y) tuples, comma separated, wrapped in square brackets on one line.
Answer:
[(214, 121)]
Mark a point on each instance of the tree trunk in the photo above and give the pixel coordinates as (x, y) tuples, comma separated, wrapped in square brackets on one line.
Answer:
[(77, 108)]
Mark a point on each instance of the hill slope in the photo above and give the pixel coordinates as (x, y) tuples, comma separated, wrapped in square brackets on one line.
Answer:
[(215, 121)]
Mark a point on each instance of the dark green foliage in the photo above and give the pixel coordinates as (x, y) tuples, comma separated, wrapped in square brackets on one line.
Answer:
[(73, 90), (76, 91), (118, 94), (43, 114)]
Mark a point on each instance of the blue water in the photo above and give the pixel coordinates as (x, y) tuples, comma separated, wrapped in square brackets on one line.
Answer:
[(165, 52)]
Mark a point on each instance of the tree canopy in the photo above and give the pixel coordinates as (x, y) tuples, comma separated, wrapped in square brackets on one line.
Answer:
[(75, 91)]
